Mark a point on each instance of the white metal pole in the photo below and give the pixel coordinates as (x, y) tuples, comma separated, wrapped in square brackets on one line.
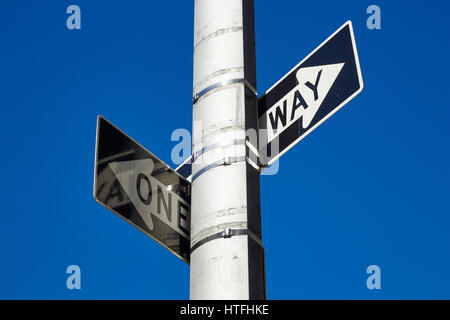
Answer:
[(227, 257)]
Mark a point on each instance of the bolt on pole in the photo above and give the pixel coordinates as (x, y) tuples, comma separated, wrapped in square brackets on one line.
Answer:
[(227, 256)]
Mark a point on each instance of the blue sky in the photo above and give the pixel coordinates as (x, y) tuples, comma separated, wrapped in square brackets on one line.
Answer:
[(369, 186)]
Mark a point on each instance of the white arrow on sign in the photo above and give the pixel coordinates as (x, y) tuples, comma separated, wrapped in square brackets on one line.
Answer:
[(149, 196), (304, 100)]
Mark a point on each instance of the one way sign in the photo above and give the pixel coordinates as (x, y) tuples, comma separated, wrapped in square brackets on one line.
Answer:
[(309, 94), (141, 189)]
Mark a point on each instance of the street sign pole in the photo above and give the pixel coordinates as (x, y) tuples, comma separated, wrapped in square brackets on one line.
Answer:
[(227, 257)]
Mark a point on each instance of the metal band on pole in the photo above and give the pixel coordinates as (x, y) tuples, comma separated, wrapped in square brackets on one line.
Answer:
[(223, 84)]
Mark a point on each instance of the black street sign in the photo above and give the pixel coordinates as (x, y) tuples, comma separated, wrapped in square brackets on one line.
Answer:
[(309, 94), (138, 187)]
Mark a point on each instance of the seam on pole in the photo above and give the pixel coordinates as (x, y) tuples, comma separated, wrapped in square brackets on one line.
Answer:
[(223, 162), (222, 234), (221, 84), (219, 73), (226, 160), (227, 233), (214, 229), (218, 33), (225, 144)]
